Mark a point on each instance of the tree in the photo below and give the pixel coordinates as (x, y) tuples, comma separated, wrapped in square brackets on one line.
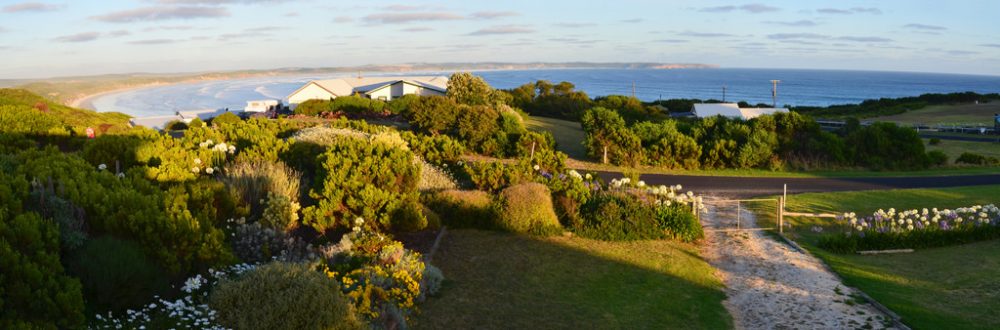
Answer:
[(225, 119), (432, 114), (476, 124), (608, 137), (465, 88)]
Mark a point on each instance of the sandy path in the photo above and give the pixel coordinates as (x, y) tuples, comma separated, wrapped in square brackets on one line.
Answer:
[(772, 286)]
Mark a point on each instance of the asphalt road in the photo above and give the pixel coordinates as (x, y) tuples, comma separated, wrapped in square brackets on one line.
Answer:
[(742, 187), (984, 138)]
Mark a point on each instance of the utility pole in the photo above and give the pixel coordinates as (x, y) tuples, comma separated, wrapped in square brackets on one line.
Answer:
[(633, 89), (774, 93), (723, 93)]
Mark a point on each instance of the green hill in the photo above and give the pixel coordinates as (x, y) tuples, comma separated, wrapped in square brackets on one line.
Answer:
[(24, 112)]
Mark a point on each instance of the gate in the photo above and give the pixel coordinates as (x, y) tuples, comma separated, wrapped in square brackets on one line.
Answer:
[(744, 214)]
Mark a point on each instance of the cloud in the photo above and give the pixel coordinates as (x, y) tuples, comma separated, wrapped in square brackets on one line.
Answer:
[(417, 29), (855, 10), (291, 14), (962, 52), (671, 41), (919, 26), (398, 7), (800, 23), (704, 34), (493, 14), (169, 27), (218, 2), (162, 13), (399, 18), (2, 29), (786, 36), (574, 25), (631, 20), (79, 37), (343, 19), (502, 29), (153, 41), (119, 33), (754, 8), (865, 39), (800, 42), (30, 7), (264, 31), (991, 45)]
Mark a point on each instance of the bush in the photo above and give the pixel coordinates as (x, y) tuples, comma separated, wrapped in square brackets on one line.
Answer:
[(975, 159), (887, 146), (255, 243), (937, 158), (527, 208), (280, 212), (432, 279), (432, 114), (283, 296), (495, 176), (616, 216), (408, 217), (175, 125), (462, 208), (34, 291), (934, 141), (116, 275), (679, 222), (226, 118), (254, 181)]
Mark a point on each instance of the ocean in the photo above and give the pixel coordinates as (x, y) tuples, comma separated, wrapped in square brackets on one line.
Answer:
[(797, 87)]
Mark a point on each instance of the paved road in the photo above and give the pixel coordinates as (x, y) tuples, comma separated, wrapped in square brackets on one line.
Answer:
[(748, 187)]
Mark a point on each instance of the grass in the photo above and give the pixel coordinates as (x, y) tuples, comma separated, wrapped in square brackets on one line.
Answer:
[(942, 288), (504, 281), (569, 135), (954, 148), (968, 113)]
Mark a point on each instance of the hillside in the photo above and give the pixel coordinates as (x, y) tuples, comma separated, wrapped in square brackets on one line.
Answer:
[(25, 112)]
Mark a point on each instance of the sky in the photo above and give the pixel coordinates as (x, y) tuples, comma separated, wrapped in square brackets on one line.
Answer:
[(86, 37)]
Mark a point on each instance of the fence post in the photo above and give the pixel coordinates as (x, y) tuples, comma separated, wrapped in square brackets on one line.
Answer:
[(781, 215), (738, 209)]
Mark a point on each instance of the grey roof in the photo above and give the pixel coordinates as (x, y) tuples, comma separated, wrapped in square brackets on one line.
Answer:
[(348, 86)]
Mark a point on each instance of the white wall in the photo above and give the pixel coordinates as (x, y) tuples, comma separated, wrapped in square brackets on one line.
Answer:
[(385, 92), (310, 92)]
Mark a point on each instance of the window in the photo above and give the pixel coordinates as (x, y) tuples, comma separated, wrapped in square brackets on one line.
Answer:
[(383, 98)]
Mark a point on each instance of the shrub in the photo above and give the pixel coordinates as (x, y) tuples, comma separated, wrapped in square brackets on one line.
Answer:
[(527, 208), (887, 146), (34, 291), (934, 141), (614, 216), (462, 208), (368, 180), (116, 275), (280, 212), (253, 181), (226, 118), (408, 217), (254, 243), (69, 218), (432, 114), (437, 150), (975, 159), (176, 125), (312, 107), (434, 178), (495, 176), (283, 296), (679, 222), (432, 279), (112, 150), (196, 122), (937, 158)]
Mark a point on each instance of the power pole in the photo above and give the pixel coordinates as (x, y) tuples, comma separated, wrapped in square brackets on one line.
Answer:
[(633, 89), (723, 93), (774, 93)]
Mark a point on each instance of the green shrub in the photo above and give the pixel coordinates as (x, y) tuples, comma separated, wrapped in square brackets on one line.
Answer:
[(679, 222), (937, 158), (196, 122), (917, 239), (254, 243), (367, 180), (408, 217), (437, 150), (116, 275), (618, 217), (68, 217), (432, 114), (226, 118), (934, 141), (312, 107), (254, 181), (432, 278), (495, 176), (176, 125), (462, 208), (975, 159), (280, 212), (283, 296), (527, 208), (887, 146), (34, 291)]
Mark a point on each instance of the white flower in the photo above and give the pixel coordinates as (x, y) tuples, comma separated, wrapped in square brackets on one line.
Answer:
[(536, 167), (195, 169), (359, 221), (197, 161), (121, 175), (679, 187), (588, 176), (209, 170), (641, 183), (460, 163), (102, 167)]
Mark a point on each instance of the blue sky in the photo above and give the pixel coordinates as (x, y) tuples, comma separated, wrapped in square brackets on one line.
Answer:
[(59, 37)]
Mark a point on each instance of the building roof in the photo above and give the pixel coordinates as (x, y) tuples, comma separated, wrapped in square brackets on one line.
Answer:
[(348, 86), (732, 110)]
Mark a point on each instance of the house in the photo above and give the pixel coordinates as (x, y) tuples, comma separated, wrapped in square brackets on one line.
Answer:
[(379, 88), (732, 110), (262, 106)]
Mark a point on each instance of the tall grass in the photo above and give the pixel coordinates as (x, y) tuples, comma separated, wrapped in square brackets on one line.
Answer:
[(251, 181)]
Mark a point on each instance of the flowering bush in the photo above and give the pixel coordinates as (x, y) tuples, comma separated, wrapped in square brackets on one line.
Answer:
[(915, 228), (254, 243), (630, 210)]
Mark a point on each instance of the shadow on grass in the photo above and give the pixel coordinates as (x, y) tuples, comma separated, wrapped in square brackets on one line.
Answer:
[(498, 280)]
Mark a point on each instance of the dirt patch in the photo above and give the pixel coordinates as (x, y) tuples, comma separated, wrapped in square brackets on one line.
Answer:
[(772, 286)]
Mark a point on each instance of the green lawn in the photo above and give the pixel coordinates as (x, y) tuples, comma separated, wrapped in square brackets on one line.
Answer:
[(953, 287), (569, 135), (962, 114), (504, 281)]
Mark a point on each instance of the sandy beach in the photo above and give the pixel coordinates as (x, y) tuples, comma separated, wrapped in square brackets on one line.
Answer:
[(86, 101)]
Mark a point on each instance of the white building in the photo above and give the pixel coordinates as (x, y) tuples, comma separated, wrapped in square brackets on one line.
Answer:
[(379, 88), (732, 110), (261, 105)]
